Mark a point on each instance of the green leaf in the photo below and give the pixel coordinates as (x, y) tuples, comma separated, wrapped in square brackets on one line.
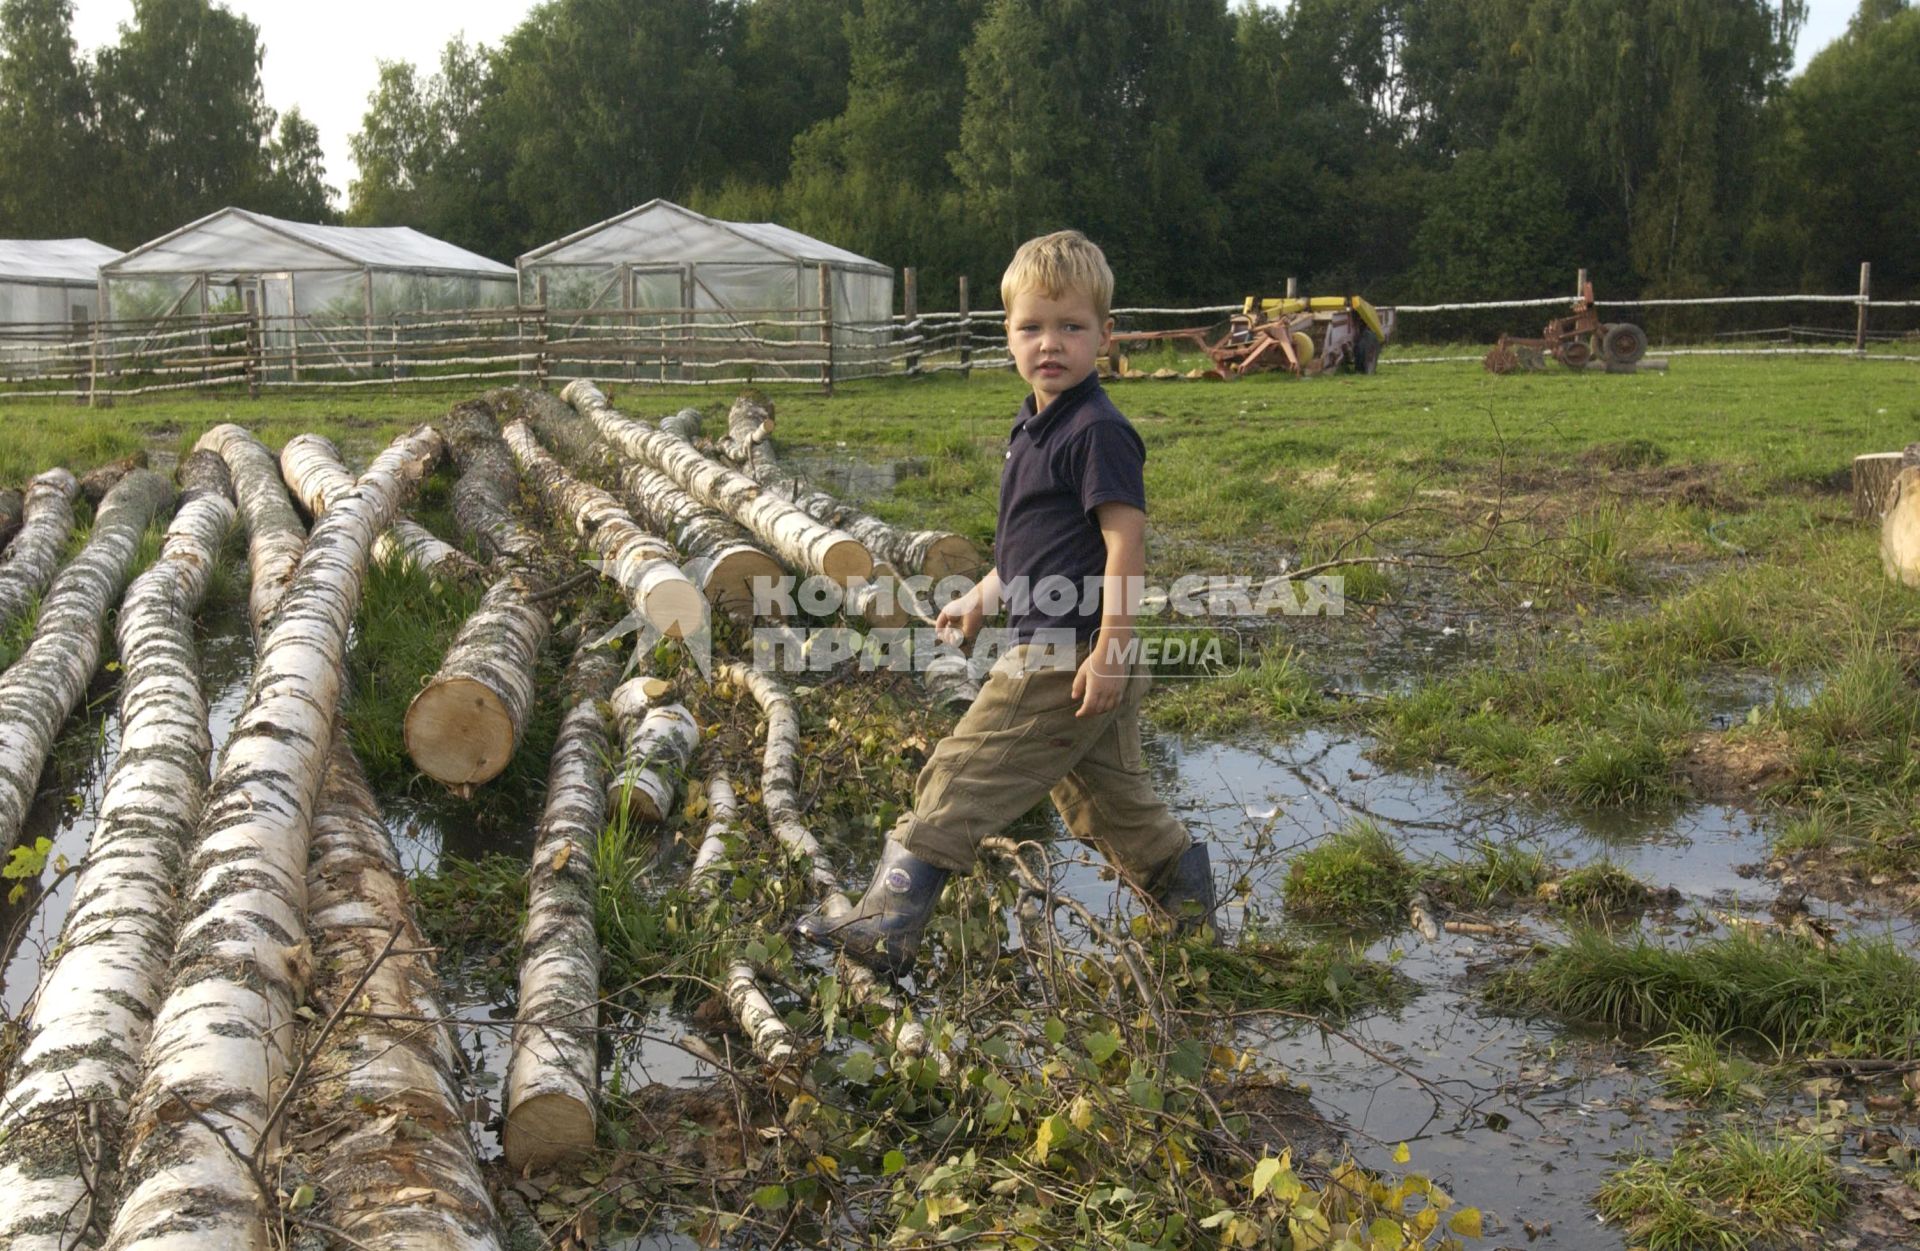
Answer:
[(1101, 1046), (1056, 1031), (1052, 1132), (892, 1162), (1387, 1234), (773, 1198), (858, 1067)]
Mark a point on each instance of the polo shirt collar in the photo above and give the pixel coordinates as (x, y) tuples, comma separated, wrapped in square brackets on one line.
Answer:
[(1037, 424)]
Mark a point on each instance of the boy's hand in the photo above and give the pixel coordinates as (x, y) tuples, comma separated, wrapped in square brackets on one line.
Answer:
[(1098, 686), (960, 620)]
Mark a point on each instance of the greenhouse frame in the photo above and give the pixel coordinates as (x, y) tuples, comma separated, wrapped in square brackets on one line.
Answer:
[(237, 261), (51, 286), (748, 289)]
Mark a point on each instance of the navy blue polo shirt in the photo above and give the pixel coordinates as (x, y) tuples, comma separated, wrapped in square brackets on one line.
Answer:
[(1062, 462)]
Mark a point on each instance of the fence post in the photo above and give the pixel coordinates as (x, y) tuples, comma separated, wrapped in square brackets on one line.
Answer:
[(93, 366), (966, 333), (1866, 292), (542, 363), (911, 306), (255, 342), (1293, 288), (1580, 282), (826, 327)]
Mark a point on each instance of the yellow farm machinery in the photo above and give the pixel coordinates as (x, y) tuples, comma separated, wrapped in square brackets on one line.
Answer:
[(1303, 336)]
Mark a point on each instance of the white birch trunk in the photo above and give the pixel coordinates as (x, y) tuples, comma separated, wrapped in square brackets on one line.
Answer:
[(772, 1040), (722, 559), (465, 724), (553, 1077), (275, 534), (314, 471), (950, 681), (88, 1021), (640, 564), (796, 538), (46, 524), (399, 1169), (484, 493), (936, 553), (656, 745), (723, 813), (220, 1049), (684, 424), (41, 689)]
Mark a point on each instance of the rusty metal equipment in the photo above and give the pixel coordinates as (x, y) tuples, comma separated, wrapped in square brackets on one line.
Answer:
[(1301, 336), (1576, 341)]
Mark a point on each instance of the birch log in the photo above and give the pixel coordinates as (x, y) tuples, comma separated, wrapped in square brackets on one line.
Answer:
[(553, 1077), (722, 559), (314, 471), (40, 690), (780, 795), (398, 1169), (936, 553), (220, 1046), (46, 524), (88, 1022), (684, 424), (790, 534), (772, 1041), (275, 535), (656, 745), (466, 722), (640, 564), (96, 482), (723, 817), (484, 493), (12, 509)]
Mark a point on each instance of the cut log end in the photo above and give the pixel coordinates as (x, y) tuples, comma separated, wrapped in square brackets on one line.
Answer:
[(730, 580), (459, 732), (675, 607), (1873, 476), (846, 560), (951, 555), (547, 1129)]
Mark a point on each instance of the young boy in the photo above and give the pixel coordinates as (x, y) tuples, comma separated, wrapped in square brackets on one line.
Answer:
[(1059, 714)]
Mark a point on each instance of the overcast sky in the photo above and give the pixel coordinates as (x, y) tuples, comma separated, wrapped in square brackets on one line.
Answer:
[(322, 56)]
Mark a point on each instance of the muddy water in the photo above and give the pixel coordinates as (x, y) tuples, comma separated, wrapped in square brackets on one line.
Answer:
[(1521, 1119)]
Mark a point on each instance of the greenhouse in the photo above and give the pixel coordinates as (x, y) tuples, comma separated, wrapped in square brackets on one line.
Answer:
[(739, 292), (239, 261), (50, 285)]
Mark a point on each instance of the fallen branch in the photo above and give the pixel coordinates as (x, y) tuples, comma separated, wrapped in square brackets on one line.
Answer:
[(34, 553)]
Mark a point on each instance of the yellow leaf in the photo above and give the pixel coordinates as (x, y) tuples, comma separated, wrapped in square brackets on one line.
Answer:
[(1263, 1175), (1387, 1234), (1424, 1221), (827, 1164), (1080, 1112), (1465, 1222), (1401, 1155), (561, 857)]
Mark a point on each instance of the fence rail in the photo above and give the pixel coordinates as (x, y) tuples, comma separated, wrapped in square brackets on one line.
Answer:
[(714, 347)]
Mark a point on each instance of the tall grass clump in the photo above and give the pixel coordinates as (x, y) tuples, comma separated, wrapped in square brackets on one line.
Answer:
[(1859, 997), (1726, 1191), (1359, 874)]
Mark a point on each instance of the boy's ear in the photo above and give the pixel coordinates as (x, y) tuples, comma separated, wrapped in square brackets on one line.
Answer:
[(1106, 337)]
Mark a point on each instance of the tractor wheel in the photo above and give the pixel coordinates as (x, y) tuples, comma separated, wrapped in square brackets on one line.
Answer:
[(1574, 354), (1366, 352), (1622, 344)]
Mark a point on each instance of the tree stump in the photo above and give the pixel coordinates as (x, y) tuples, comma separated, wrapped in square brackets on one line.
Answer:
[(1873, 476)]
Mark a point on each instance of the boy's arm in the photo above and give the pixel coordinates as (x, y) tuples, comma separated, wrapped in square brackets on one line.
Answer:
[(961, 620), (1102, 677)]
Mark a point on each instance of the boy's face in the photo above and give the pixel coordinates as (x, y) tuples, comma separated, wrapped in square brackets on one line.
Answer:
[(1054, 341)]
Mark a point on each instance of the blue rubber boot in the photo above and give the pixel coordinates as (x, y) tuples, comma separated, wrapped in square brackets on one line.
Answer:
[(1183, 889), (883, 930)]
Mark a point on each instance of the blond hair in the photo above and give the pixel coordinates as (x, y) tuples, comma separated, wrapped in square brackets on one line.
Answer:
[(1065, 262)]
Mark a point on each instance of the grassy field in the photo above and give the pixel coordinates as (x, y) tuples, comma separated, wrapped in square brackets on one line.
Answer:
[(1602, 593)]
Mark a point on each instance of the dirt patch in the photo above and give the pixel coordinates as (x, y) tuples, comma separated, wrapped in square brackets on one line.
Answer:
[(1278, 1117), (1829, 873), (1737, 766)]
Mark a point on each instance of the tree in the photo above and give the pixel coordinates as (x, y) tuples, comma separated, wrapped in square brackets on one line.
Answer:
[(790, 64), (295, 184), (182, 115), (1851, 121), (46, 118)]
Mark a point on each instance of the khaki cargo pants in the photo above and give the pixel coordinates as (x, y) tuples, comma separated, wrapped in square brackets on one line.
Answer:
[(1020, 742)]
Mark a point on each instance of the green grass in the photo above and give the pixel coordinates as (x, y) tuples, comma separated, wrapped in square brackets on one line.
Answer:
[(1698, 1068), (1268, 689), (1261, 974), (1726, 1191), (1358, 874), (1857, 997), (1489, 874), (1598, 890)]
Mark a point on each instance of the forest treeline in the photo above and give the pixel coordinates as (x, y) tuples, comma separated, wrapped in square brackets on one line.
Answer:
[(1405, 148)]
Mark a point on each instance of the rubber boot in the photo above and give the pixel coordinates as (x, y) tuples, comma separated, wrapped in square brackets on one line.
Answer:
[(1183, 889), (883, 930)]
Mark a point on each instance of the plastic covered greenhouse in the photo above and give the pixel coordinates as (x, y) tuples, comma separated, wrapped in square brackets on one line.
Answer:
[(235, 260), (50, 285), (748, 287)]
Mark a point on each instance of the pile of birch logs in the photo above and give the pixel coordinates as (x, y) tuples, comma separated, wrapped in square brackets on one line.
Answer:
[(240, 969)]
